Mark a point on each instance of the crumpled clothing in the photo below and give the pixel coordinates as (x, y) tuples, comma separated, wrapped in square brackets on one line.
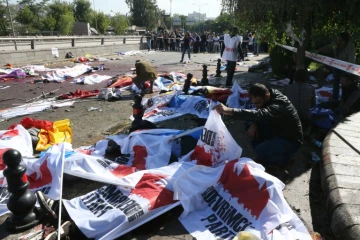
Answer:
[(121, 82), (80, 94), (34, 123), (18, 73)]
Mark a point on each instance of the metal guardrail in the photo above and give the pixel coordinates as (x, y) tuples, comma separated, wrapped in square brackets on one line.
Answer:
[(73, 39)]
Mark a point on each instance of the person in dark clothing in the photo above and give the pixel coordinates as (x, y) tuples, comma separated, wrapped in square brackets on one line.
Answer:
[(148, 40), (154, 43), (274, 127), (196, 43), (203, 40), (229, 51), (187, 41), (350, 98), (166, 41), (177, 41)]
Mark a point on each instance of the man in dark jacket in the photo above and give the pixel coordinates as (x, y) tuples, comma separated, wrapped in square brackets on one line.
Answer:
[(274, 128)]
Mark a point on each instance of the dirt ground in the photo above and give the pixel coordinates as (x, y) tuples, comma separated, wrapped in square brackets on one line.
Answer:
[(303, 191)]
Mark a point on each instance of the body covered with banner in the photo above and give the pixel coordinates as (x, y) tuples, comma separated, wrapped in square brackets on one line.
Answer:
[(223, 195), (239, 98), (44, 174), (141, 150), (112, 211)]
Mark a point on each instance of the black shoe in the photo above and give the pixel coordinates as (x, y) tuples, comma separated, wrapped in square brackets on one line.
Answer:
[(181, 61)]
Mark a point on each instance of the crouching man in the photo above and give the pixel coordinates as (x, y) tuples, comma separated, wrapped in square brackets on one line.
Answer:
[(144, 72), (274, 127)]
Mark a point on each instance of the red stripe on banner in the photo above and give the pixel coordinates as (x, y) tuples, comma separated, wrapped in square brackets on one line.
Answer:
[(245, 188), (44, 178), (140, 154), (156, 193), (122, 171)]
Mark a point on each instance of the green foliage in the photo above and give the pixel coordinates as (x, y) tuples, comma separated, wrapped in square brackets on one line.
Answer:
[(82, 10), (144, 13), (4, 22), (66, 23), (101, 21), (119, 23), (49, 23), (26, 17), (59, 9)]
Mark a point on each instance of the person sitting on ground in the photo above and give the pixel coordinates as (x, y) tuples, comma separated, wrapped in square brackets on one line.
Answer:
[(302, 96), (274, 127), (144, 72), (350, 98)]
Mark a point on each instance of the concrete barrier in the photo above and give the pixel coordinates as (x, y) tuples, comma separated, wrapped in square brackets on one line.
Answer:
[(40, 55), (340, 177)]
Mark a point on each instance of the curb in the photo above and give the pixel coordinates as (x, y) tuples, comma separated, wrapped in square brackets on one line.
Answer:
[(340, 178)]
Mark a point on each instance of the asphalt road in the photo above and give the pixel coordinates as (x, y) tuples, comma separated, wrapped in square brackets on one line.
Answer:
[(303, 192)]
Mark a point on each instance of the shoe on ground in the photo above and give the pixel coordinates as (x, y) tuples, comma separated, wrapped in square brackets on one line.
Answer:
[(47, 205)]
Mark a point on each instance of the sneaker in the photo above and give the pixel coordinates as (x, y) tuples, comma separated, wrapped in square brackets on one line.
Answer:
[(181, 61), (47, 205)]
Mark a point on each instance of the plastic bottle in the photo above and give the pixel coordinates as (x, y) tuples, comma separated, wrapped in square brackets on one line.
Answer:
[(317, 143), (315, 157)]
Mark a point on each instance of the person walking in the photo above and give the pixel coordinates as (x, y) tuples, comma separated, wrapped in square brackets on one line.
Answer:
[(186, 44)]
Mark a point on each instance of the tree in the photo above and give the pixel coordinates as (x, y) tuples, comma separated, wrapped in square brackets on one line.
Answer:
[(308, 19), (82, 10), (59, 9), (102, 21), (26, 17), (66, 23), (120, 23), (49, 23), (4, 22), (144, 13)]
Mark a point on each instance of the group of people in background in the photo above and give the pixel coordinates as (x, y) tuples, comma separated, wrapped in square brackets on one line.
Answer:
[(206, 42)]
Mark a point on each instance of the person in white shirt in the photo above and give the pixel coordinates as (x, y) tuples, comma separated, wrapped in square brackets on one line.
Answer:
[(251, 43), (229, 51), (216, 40)]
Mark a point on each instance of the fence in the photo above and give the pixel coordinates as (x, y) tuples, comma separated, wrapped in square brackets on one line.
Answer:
[(27, 43)]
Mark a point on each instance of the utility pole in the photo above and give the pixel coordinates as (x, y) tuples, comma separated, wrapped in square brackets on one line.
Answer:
[(95, 17), (171, 17), (11, 22)]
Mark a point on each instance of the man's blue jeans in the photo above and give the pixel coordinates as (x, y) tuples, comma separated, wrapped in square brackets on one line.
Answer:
[(149, 44), (272, 150)]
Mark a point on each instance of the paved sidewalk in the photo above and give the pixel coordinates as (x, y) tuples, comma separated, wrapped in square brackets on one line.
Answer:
[(340, 176)]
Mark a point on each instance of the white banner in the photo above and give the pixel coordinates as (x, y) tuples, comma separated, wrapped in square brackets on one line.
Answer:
[(344, 66), (60, 75), (112, 211), (44, 174), (238, 196), (146, 149), (195, 105), (18, 139), (216, 146), (91, 79), (239, 98)]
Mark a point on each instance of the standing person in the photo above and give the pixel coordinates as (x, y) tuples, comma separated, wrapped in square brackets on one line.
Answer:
[(274, 127), (230, 51), (154, 43), (211, 42), (148, 40), (251, 42), (186, 46), (255, 41), (216, 40), (203, 42), (172, 41), (344, 49), (196, 43), (166, 41), (177, 41)]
